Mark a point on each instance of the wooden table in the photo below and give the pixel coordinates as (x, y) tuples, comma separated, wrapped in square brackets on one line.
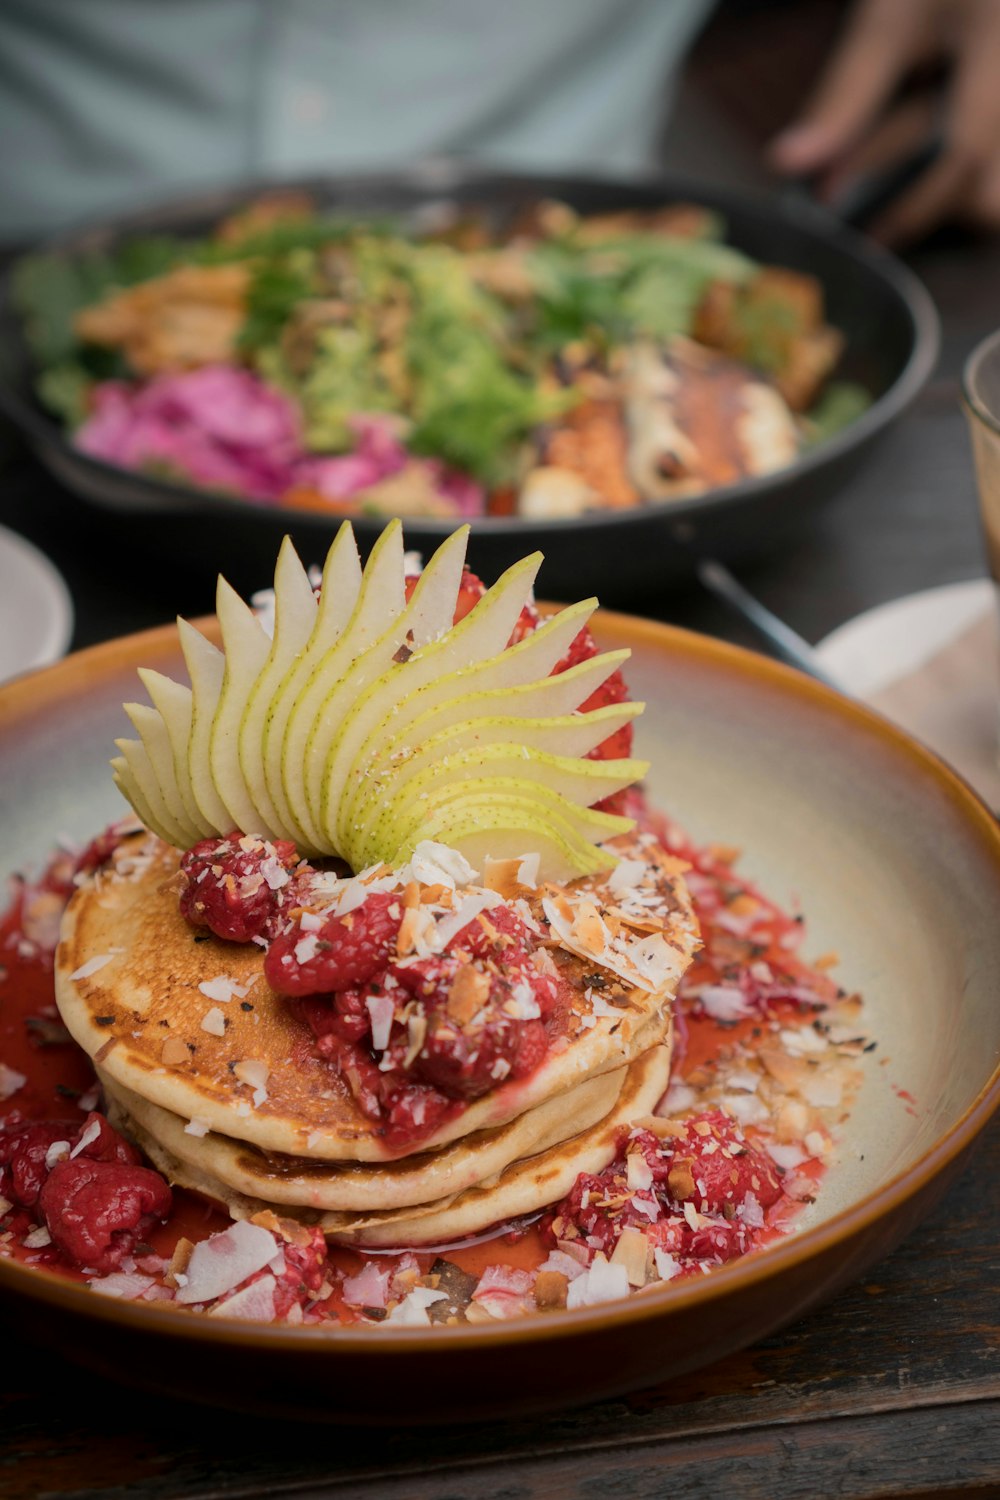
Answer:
[(891, 1390)]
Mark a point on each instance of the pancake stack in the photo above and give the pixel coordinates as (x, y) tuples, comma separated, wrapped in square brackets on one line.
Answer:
[(219, 1081)]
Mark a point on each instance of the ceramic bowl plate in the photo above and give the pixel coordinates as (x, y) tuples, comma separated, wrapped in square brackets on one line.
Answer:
[(877, 647), (898, 870), (36, 612)]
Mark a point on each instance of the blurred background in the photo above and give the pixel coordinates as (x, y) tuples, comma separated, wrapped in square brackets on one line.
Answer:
[(114, 105)]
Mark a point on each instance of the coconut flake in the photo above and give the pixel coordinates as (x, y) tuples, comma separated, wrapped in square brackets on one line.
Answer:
[(626, 874), (638, 1172), (306, 948), (89, 1135), (565, 1264), (603, 1282), (751, 1212), (666, 1265), (37, 1239), (197, 1127), (214, 1022), (785, 1157), (412, 1311), (58, 1151), (382, 1013), (274, 872), (10, 1081), (435, 864), (467, 910), (724, 1002), (128, 1284), (255, 1302), (92, 965), (220, 1263), (369, 1288), (223, 988), (254, 1073)]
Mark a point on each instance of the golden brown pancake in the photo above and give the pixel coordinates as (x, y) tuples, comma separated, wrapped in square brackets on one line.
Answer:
[(357, 1187), (129, 970), (525, 1187)]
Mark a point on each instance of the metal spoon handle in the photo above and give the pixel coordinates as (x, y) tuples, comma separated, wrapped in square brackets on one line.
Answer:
[(785, 641)]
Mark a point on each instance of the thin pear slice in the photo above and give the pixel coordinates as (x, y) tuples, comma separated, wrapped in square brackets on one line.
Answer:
[(380, 600), (507, 822), (153, 733), (571, 736), (429, 612), (551, 697), (484, 632), (139, 771), (206, 665), (294, 618), (340, 587), (121, 775), (580, 782), (247, 646), (172, 700), (513, 666)]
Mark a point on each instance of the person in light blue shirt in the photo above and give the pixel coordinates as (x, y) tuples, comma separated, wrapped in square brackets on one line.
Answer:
[(109, 104)]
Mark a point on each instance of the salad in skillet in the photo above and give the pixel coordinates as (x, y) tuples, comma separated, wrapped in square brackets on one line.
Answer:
[(351, 366)]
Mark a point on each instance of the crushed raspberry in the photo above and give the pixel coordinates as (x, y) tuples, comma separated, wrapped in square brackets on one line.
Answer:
[(238, 886), (97, 1201), (699, 1196), (341, 952), (458, 1024), (23, 1149), (715, 1160)]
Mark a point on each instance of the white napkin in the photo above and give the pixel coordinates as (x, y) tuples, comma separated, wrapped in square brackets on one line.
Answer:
[(952, 703)]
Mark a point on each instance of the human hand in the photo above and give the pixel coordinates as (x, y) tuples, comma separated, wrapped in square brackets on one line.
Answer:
[(853, 129)]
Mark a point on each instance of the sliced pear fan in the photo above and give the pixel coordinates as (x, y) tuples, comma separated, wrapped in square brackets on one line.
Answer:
[(370, 722)]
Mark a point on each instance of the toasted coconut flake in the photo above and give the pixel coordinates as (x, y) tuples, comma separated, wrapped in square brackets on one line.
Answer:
[(551, 1289), (174, 1052), (412, 1311), (632, 1252), (468, 994), (219, 1264)]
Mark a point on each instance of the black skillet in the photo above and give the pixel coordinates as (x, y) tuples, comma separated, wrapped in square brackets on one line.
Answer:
[(892, 339)]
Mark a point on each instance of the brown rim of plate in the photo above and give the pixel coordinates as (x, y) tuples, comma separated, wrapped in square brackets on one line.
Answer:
[(73, 673)]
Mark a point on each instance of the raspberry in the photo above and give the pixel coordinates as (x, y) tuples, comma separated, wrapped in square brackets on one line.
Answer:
[(96, 1211), (709, 1166), (237, 886), (721, 1165), (471, 590), (343, 952), (96, 1203), (617, 746), (23, 1150)]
